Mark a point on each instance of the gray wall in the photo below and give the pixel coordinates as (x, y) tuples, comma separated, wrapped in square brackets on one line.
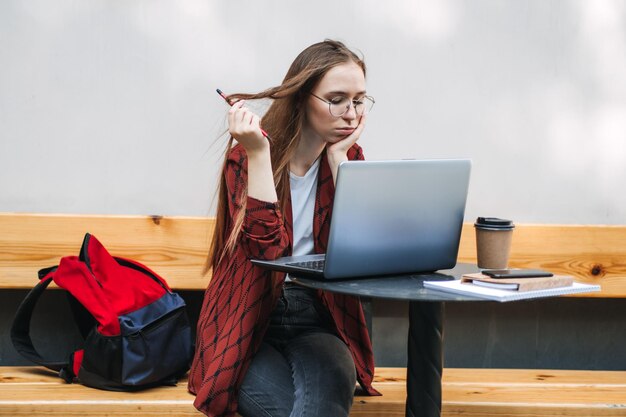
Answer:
[(110, 106), (564, 333), (555, 333)]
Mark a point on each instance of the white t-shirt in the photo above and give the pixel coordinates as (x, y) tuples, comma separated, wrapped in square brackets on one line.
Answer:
[(303, 190)]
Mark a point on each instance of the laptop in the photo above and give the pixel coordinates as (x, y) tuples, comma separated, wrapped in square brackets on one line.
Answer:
[(389, 217)]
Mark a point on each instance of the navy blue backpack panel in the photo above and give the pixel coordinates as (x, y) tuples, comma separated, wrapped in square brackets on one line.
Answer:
[(135, 328)]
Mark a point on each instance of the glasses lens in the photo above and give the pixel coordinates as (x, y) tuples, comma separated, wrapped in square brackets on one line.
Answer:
[(367, 104), (361, 105), (339, 108)]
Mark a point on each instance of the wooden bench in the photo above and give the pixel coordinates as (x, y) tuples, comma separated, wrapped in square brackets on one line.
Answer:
[(35, 392), (176, 248)]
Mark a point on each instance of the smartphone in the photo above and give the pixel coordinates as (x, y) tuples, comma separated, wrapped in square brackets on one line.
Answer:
[(516, 273)]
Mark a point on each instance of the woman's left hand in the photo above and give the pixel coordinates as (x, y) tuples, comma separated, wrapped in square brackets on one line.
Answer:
[(338, 151)]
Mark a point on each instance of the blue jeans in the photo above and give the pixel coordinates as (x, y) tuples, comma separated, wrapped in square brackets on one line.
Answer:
[(302, 368)]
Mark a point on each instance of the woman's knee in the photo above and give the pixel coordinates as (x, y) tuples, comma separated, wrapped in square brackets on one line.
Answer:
[(328, 360), (338, 358), (334, 347)]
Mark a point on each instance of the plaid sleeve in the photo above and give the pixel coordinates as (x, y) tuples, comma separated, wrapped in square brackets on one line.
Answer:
[(263, 234)]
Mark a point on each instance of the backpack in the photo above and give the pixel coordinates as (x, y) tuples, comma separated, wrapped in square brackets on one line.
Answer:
[(135, 329)]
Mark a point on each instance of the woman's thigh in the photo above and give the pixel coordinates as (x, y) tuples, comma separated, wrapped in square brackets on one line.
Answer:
[(314, 375), (323, 375), (267, 389)]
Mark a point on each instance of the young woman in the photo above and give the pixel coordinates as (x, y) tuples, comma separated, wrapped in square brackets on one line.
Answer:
[(266, 347)]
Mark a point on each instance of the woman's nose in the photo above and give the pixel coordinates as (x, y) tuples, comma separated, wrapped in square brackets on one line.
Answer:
[(350, 113)]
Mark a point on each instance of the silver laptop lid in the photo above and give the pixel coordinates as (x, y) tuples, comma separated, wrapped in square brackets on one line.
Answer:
[(396, 216)]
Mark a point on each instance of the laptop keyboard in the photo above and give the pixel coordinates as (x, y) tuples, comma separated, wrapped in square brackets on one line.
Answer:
[(313, 265)]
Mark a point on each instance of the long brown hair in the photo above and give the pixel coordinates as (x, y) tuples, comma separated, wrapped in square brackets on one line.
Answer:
[(283, 122)]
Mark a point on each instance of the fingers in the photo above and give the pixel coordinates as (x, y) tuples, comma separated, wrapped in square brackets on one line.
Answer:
[(240, 118), (236, 113), (244, 126), (339, 149), (360, 126), (354, 136)]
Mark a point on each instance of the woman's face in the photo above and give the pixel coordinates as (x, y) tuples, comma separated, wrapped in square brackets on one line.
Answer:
[(343, 81)]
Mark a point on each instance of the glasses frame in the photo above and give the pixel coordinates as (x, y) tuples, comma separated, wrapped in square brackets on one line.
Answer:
[(350, 104)]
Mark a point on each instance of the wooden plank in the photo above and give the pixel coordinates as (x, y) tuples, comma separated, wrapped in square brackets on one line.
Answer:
[(57, 400), (21, 375), (564, 395), (592, 254), (527, 410), (525, 392), (392, 375), (176, 247), (33, 391), (529, 377)]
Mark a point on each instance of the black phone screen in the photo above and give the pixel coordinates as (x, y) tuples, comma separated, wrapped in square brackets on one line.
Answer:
[(516, 273)]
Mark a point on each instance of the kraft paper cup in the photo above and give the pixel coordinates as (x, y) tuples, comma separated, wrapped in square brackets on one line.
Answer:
[(493, 242)]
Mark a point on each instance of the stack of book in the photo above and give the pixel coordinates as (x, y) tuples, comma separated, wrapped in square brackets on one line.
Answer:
[(511, 289)]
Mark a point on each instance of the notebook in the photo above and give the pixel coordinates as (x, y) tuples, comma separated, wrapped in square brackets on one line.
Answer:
[(519, 284), (503, 295), (390, 217)]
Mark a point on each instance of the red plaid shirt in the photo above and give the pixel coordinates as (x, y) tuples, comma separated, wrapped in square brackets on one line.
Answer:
[(240, 297)]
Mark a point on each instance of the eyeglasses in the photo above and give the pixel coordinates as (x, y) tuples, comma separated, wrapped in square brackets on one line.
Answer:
[(339, 106)]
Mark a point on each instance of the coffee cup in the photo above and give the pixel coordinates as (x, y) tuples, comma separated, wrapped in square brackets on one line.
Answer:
[(493, 242)]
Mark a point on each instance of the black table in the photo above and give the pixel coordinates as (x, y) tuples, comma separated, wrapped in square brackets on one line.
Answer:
[(425, 345)]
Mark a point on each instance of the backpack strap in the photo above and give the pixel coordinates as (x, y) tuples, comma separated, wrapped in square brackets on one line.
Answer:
[(84, 320), (20, 330)]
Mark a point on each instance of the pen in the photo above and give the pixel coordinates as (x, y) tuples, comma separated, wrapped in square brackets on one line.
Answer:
[(221, 93)]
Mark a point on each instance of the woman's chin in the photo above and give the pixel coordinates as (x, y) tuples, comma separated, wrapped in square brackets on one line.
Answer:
[(332, 139)]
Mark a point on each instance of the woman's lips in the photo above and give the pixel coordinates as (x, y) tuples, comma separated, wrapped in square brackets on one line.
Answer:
[(345, 130)]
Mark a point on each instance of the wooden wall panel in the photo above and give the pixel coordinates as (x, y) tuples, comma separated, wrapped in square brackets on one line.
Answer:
[(176, 247), (593, 254)]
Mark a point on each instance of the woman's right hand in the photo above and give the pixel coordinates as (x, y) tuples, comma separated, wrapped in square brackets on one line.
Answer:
[(245, 127)]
